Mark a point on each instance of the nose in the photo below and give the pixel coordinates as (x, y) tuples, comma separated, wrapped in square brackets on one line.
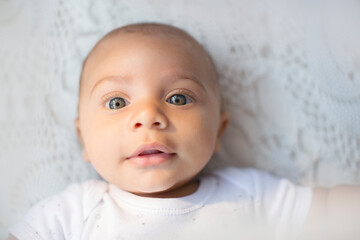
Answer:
[(150, 116)]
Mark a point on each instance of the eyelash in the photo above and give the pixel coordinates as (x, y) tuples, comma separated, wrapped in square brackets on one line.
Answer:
[(185, 92), (111, 95)]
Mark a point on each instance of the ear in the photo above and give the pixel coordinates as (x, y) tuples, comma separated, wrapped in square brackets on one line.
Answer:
[(79, 135), (224, 120)]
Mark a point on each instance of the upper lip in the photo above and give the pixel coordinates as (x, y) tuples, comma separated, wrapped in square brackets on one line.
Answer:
[(148, 147)]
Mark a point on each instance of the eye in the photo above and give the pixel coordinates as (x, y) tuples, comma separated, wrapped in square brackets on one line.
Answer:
[(116, 103), (178, 99)]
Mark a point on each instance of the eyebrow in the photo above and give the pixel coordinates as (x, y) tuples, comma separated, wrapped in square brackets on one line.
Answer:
[(128, 80), (118, 78), (185, 76)]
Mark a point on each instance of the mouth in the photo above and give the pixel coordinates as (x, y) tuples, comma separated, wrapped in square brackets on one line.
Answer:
[(151, 155), (150, 152)]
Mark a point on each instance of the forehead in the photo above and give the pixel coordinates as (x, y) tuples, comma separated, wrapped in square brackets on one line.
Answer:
[(180, 53)]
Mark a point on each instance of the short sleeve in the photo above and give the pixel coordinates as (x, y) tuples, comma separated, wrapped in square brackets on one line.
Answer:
[(60, 216), (283, 205)]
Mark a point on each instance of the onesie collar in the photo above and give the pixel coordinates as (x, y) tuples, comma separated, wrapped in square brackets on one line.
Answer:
[(166, 206)]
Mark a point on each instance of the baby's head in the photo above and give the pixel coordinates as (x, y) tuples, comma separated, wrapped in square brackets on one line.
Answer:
[(149, 108)]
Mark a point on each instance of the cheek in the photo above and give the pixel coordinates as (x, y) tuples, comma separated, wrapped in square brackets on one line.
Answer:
[(199, 131), (103, 138)]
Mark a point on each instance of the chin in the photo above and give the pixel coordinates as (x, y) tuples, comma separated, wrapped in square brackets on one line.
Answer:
[(152, 189), (153, 182)]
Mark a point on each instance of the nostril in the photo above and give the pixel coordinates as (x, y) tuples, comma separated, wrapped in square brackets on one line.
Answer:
[(156, 123), (137, 125)]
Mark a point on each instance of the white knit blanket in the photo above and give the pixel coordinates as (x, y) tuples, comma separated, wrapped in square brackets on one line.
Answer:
[(290, 77)]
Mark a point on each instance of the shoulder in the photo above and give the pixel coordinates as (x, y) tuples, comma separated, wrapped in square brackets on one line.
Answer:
[(78, 198), (262, 185), (76, 195), (65, 210), (282, 203), (81, 188), (83, 191), (248, 179), (240, 173)]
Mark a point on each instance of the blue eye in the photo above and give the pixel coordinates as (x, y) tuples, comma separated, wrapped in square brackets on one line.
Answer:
[(178, 99), (117, 103)]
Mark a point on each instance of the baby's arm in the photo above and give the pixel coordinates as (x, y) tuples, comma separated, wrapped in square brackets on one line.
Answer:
[(11, 237), (334, 213)]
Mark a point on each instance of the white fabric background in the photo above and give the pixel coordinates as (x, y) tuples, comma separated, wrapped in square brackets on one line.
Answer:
[(290, 77)]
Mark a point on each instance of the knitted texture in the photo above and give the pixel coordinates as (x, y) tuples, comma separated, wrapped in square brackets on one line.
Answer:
[(289, 73)]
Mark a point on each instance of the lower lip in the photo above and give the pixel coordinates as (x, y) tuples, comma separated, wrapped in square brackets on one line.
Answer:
[(151, 159)]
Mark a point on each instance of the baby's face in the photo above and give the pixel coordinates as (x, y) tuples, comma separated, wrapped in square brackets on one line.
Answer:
[(149, 114)]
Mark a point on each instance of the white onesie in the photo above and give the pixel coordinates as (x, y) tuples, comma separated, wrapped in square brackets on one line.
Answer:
[(229, 204)]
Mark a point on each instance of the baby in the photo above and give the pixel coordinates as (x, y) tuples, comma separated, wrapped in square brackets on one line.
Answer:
[(150, 118)]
